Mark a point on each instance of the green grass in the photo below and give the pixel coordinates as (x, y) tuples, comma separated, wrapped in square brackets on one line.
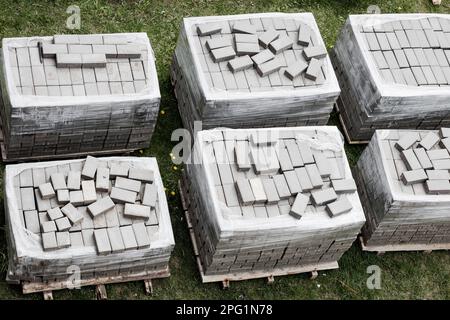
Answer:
[(404, 275)]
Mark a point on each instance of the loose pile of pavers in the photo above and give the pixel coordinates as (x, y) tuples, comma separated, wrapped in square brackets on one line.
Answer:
[(107, 216), (232, 70), (394, 72), (268, 199), (404, 181), (72, 94)]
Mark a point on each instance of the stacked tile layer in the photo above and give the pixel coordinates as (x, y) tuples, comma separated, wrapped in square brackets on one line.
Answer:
[(267, 199), (232, 70), (404, 184), (75, 94), (394, 72), (105, 216)]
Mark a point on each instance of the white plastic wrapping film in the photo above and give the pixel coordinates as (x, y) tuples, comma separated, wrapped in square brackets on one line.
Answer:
[(28, 259)]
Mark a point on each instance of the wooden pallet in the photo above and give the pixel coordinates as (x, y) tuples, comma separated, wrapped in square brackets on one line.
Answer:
[(48, 287), (337, 106), (225, 279), (382, 249)]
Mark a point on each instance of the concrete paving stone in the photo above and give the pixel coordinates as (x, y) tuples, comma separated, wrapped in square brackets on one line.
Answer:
[(76, 197), (89, 168), (88, 237), (303, 179), (242, 155), (323, 165), (63, 239), (383, 41), (437, 186), (390, 59), (314, 69), (409, 77), (26, 178), (38, 76), (292, 182), (269, 67), (129, 240), (136, 211), (262, 57), (267, 37), (281, 186), (429, 141), (207, 29), (141, 174), (122, 195), (79, 48), (380, 60), (102, 179), (438, 154), (63, 224), (372, 41), (422, 38), (54, 213), (31, 218), (66, 39), (74, 180), (118, 170), (443, 40), (257, 188), (115, 240), (240, 63), (401, 59), (270, 190), (338, 207), (72, 213), (76, 239), (428, 74), (100, 206), (440, 57), (413, 176), (243, 27), (69, 60), (99, 221), (304, 35), (343, 185), (430, 57), (223, 54), (48, 226), (284, 159), (299, 206), (63, 196), (295, 69), (131, 51), (246, 38), (444, 132), (245, 192), (393, 41), (402, 39), (439, 75), (112, 218), (294, 153), (49, 241), (432, 39), (128, 184), (89, 193), (323, 197), (153, 220), (438, 174), (305, 152), (406, 141), (87, 222), (46, 190), (50, 50), (422, 156), (27, 197), (102, 241), (410, 159), (216, 43), (316, 52), (150, 195), (281, 44), (114, 39), (91, 89), (412, 38), (441, 164), (141, 235), (260, 212), (314, 175)]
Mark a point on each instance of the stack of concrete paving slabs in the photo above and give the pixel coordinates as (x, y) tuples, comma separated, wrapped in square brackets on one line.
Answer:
[(394, 72), (270, 199), (77, 94), (404, 182), (253, 70), (107, 216)]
